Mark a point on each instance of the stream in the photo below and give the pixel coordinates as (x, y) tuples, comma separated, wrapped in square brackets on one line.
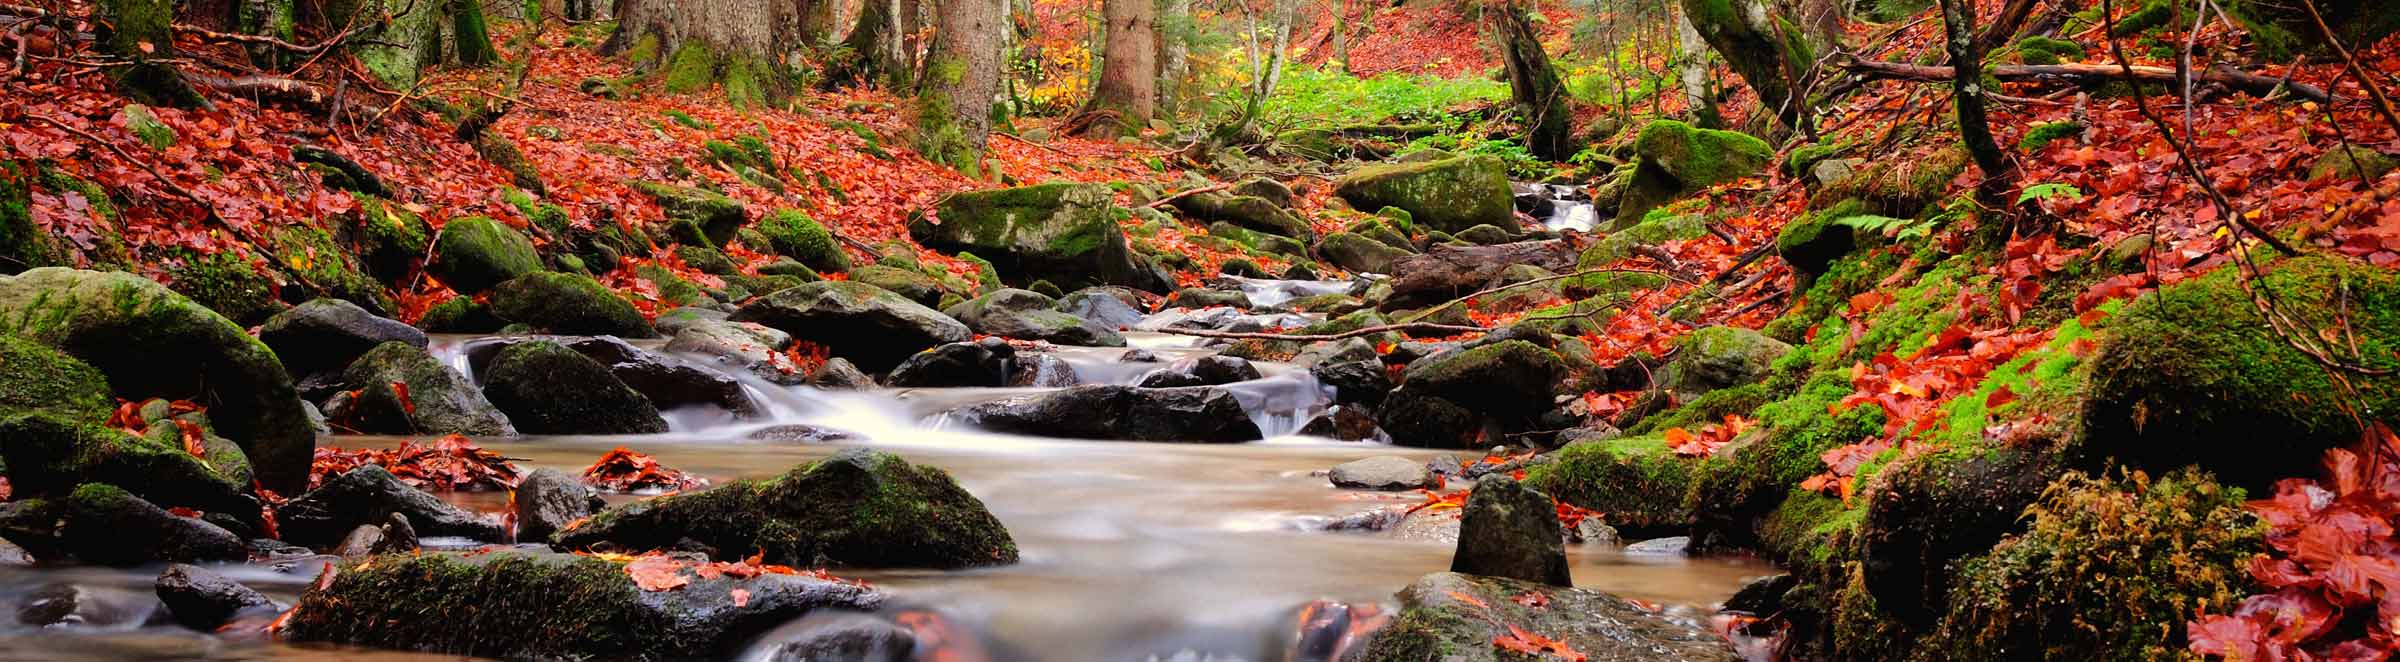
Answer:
[(1131, 550)]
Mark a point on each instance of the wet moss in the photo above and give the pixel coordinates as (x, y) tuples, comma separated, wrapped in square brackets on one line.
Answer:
[(36, 378), (1636, 481), (691, 69), (23, 244), (473, 254), (793, 234), (226, 282), (2042, 135), (587, 608)]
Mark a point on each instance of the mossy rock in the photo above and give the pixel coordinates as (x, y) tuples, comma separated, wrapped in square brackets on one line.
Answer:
[(1359, 253), (225, 282), (856, 508), (500, 151), (1678, 159), (795, 235), (391, 239), (460, 315), (1812, 241), (692, 68), (1458, 617), (913, 285), (1657, 226), (1899, 185), (568, 304), (2042, 135), (546, 388), (673, 289), (697, 216), (1745, 480), (2192, 374), (23, 243), (103, 524), (36, 378), (1929, 509), (1717, 357), (2045, 50), (707, 260), (1252, 212), (145, 125), (473, 254), (313, 254), (540, 606), (868, 325), (398, 388), (95, 316), (1449, 194), (2351, 163), (1637, 482), (1064, 233), (50, 455)]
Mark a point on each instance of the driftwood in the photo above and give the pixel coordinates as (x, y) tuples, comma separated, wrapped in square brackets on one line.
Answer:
[(2088, 74)]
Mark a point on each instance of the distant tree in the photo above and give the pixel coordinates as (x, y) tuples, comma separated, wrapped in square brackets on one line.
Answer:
[(962, 75), (1541, 102)]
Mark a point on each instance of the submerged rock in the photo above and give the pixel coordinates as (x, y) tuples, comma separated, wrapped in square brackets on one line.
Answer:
[(1454, 617), (857, 508), (1382, 472), (872, 327), (547, 388), (518, 605), (84, 607), (1099, 411), (203, 600), (370, 495), (438, 400)]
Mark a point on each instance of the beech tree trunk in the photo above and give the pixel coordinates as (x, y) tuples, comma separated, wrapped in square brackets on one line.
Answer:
[(1541, 101), (1129, 74), (1174, 53), (962, 75), (876, 51), (1691, 57), (1763, 47)]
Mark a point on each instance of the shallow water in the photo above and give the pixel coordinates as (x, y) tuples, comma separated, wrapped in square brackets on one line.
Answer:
[(1131, 550)]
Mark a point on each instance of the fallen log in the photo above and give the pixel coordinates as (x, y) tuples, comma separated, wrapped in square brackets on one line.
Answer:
[(2087, 74)]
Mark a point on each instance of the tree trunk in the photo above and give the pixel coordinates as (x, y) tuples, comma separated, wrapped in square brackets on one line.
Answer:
[(1174, 53), (1541, 101), (1128, 78), (817, 21), (1999, 174), (875, 49), (1763, 48), (1286, 12), (962, 74), (1691, 57)]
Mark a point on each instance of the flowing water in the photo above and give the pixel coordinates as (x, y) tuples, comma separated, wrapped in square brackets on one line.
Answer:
[(1132, 551)]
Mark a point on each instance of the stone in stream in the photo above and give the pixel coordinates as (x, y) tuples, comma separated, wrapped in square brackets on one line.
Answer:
[(548, 500), (841, 636), (667, 381), (1446, 399), (1448, 195), (547, 388), (1382, 472), (855, 508), (1126, 413), (203, 600), (51, 457), (438, 400), (1343, 422), (870, 326), (751, 348), (1200, 297), (1102, 306), (325, 335), (839, 373), (1509, 530), (473, 254), (84, 607), (1043, 371), (982, 363), (523, 605), (1028, 315), (95, 317), (370, 495), (1063, 233), (103, 525), (1212, 370), (1457, 618), (570, 304), (1361, 382)]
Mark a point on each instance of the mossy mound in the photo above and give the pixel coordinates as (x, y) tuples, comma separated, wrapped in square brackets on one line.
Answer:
[(36, 378), (228, 283), (795, 235), (696, 216), (1064, 233), (570, 304), (473, 254), (50, 455), (1636, 482), (1677, 159), (331, 268), (1448, 194), (547, 388), (1463, 618), (391, 238), (1359, 253), (856, 508)]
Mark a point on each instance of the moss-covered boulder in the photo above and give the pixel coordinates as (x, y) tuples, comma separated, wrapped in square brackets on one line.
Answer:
[(325, 335), (1464, 618), (96, 316), (1510, 531), (2192, 374), (1063, 233), (1639, 483), (2351, 163), (371, 495), (36, 378), (460, 315), (696, 216), (1028, 315), (1678, 159), (793, 234), (1812, 242), (1247, 211), (1448, 195), (1935, 507), (1197, 414), (391, 238), (1450, 399), (227, 282), (869, 325), (540, 606), (106, 525), (436, 399), (914, 285), (1358, 253), (571, 304), (855, 508), (547, 388), (50, 455), (473, 254), (1717, 357)]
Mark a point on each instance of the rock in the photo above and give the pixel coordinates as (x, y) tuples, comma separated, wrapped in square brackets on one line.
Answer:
[(325, 335), (554, 606), (438, 400), (370, 495), (1456, 618), (839, 373), (1346, 350), (856, 508), (742, 346), (841, 636), (795, 432), (1263, 188), (1833, 172), (1814, 241), (1677, 159), (1199, 414), (38, 379), (1382, 472), (2351, 163), (360, 543), (1449, 195), (473, 254), (1444, 399), (1511, 531), (1448, 272), (1489, 235), (1343, 422), (1249, 212), (571, 304), (84, 607), (1026, 315), (872, 327), (103, 525), (668, 382), (1101, 307), (1194, 297), (795, 235), (675, 321), (1763, 595), (695, 216), (1361, 382), (1203, 371), (1718, 357), (1357, 253), (49, 456), (547, 500), (985, 363), (1063, 233), (1638, 481), (1043, 371), (95, 317), (914, 285), (547, 388)]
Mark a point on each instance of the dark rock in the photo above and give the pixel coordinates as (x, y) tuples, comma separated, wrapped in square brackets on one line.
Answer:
[(325, 335), (370, 495), (1101, 307), (1455, 618), (204, 600), (1200, 414), (1382, 472), (1212, 370), (1299, 271), (839, 373), (571, 304), (1355, 382), (696, 216), (103, 525), (841, 636), (547, 500), (1026, 315), (51, 457), (1509, 530), (987, 363), (858, 507), (872, 327), (1266, 189), (85, 607), (667, 381), (1447, 272), (547, 388), (1139, 356), (1043, 371), (473, 254), (1343, 422), (1762, 596), (360, 543), (439, 400), (1449, 395), (673, 322)]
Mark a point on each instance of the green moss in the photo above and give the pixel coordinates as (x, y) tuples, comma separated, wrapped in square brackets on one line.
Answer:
[(693, 68), (568, 304), (313, 254), (473, 254), (588, 608), (145, 126), (225, 282), (1805, 158), (2044, 50), (1710, 407), (644, 50), (696, 216), (2041, 136), (793, 234), (473, 44), (1698, 157), (1450, 194), (1637, 481), (686, 120), (1901, 186), (744, 88), (37, 378), (672, 289), (460, 315), (23, 244), (49, 454)]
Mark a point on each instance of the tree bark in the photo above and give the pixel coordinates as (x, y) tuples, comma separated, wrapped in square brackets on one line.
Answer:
[(1691, 57), (1759, 44), (1174, 53), (1541, 101), (875, 49), (962, 74), (1974, 129), (1128, 77)]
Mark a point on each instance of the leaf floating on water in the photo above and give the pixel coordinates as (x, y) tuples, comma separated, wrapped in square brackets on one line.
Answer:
[(624, 471)]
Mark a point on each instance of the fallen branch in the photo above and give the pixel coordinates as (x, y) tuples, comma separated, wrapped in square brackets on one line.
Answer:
[(267, 86), (1503, 288), (206, 34), (1162, 202), (1353, 333), (2088, 74)]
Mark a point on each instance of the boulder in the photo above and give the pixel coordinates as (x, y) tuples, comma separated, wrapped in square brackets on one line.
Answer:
[(695, 216), (2351, 163), (1360, 382), (855, 508), (557, 606), (667, 381), (743, 346), (1719, 357), (1197, 297), (1246, 211), (437, 399), (547, 388), (984, 363), (370, 495), (795, 235), (95, 317), (473, 254), (571, 304), (103, 525), (909, 283), (1358, 253), (203, 600), (49, 456), (1026, 315), (1210, 370), (1343, 422), (325, 335), (1449, 194), (1101, 307), (1382, 472), (871, 326), (1447, 272), (841, 636), (1063, 233), (1509, 530), (1677, 159), (1462, 618), (38, 379), (548, 501), (838, 373), (1043, 371), (1197, 414)]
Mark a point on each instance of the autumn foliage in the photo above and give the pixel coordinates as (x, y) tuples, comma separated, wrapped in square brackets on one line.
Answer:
[(2332, 570), (451, 463)]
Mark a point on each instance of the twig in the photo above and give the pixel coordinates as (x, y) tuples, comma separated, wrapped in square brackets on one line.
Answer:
[(2383, 105), (1353, 333), (2191, 166)]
